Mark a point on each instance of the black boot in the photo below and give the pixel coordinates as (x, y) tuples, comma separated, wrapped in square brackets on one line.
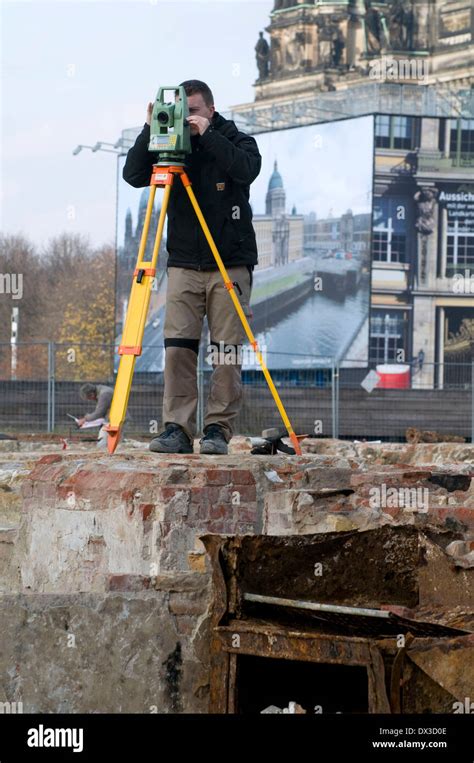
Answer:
[(173, 440), (214, 442)]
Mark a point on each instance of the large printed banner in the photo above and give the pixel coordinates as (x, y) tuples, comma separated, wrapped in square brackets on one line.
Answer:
[(312, 212)]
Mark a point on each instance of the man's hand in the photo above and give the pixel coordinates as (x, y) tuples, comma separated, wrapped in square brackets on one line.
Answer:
[(80, 422), (202, 123), (149, 110)]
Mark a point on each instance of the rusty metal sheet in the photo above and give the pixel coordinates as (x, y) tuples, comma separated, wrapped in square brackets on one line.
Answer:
[(396, 676), (449, 662), (263, 640), (347, 621), (378, 699)]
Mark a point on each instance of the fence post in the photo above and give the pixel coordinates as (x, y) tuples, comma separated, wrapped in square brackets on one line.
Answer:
[(53, 390), (472, 400), (48, 389), (335, 400), (51, 385)]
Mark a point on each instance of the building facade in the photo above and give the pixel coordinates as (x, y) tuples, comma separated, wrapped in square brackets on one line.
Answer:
[(423, 243), (400, 60), (333, 45)]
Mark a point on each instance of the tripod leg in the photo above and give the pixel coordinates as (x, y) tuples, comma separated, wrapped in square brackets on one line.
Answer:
[(134, 328), (230, 287)]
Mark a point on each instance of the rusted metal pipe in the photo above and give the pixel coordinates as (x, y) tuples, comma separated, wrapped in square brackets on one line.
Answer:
[(315, 607)]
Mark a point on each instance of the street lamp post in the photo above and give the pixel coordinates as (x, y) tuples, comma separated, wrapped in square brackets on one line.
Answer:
[(14, 341)]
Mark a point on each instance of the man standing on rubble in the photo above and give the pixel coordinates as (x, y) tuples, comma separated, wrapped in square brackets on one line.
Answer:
[(222, 165)]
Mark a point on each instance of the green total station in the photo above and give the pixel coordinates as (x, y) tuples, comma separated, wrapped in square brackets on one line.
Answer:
[(169, 130)]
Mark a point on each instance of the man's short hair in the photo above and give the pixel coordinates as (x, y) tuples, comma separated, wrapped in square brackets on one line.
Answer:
[(86, 390), (192, 86)]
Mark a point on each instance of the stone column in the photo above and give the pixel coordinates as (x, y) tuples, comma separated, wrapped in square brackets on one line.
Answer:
[(426, 23), (355, 45), (424, 337), (429, 134)]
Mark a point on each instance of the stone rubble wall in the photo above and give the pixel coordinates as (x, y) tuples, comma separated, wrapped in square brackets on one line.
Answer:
[(107, 549)]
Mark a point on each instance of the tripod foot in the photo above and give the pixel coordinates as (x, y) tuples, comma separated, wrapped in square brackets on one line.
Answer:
[(296, 444), (113, 437)]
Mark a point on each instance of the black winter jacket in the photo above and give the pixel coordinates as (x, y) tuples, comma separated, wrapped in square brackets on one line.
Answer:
[(222, 165)]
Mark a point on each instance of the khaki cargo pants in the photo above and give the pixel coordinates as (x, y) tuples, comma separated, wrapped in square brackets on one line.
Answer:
[(190, 295)]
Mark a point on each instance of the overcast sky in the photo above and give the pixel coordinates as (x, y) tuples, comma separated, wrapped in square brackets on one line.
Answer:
[(325, 168), (80, 72)]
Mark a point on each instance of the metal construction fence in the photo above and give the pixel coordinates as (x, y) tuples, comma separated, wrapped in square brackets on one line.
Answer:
[(39, 386)]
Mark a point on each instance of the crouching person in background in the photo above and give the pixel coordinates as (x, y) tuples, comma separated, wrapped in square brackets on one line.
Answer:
[(102, 395)]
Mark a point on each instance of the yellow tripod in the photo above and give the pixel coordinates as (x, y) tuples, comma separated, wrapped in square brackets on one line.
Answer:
[(144, 273)]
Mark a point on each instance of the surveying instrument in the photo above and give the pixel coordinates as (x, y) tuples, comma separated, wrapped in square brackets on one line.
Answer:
[(170, 136)]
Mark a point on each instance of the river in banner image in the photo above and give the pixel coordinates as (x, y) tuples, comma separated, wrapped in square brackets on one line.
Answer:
[(318, 326)]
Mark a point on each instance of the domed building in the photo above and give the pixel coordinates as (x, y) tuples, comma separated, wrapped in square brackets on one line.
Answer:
[(279, 235), (275, 198)]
